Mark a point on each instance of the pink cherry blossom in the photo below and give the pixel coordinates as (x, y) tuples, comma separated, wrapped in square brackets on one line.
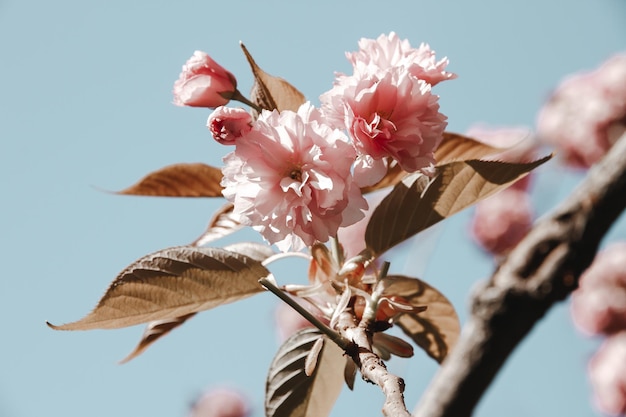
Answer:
[(599, 304), (290, 178), (389, 51), (501, 221), (227, 124), (607, 372), (388, 114), (586, 113), (221, 402), (613, 79), (204, 83)]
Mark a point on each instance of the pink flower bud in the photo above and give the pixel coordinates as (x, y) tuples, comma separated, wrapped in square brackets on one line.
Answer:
[(203, 83), (227, 124), (599, 305), (220, 402), (607, 372), (502, 220)]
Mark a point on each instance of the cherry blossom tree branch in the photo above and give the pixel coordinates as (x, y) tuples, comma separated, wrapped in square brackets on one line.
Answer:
[(542, 270), (371, 366)]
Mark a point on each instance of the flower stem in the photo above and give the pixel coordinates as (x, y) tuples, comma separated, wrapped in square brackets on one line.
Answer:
[(341, 341), (371, 307), (336, 250), (241, 98)]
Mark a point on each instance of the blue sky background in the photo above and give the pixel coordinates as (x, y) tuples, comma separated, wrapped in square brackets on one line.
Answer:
[(85, 104)]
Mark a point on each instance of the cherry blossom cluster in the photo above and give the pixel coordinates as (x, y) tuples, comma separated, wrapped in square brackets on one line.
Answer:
[(586, 113), (221, 402), (387, 106), (583, 118), (296, 176)]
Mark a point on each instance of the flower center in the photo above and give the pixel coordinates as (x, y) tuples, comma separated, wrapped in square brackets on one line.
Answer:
[(380, 127), (217, 128), (296, 174)]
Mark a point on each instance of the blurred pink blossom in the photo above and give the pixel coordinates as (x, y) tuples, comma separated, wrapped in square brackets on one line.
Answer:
[(599, 304), (511, 138), (203, 83), (221, 402), (614, 77), (227, 124), (390, 114), (288, 321), (388, 51), (290, 178), (501, 221), (586, 113), (607, 372)]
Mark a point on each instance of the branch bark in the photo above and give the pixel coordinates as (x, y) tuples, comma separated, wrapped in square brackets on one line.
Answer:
[(542, 270), (372, 368)]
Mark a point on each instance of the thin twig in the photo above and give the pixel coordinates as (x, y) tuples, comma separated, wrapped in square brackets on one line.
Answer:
[(341, 341), (236, 95)]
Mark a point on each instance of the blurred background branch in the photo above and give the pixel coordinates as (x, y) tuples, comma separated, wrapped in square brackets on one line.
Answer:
[(543, 269)]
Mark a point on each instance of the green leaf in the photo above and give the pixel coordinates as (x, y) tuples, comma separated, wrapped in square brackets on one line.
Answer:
[(223, 223), (436, 329), (419, 202), (179, 180), (173, 283), (289, 392), (270, 92)]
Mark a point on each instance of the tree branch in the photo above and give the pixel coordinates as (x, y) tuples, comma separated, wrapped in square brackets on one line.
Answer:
[(372, 368), (543, 269)]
